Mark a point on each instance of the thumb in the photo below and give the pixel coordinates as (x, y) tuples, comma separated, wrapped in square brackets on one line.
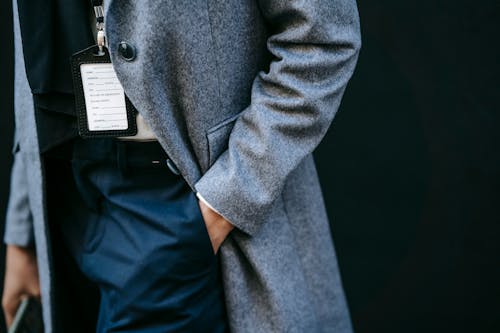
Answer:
[(10, 305)]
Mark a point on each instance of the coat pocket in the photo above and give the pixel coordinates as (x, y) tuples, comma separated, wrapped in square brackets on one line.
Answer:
[(218, 138)]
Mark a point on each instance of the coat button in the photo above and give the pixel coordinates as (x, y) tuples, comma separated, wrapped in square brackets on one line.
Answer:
[(127, 51), (173, 167)]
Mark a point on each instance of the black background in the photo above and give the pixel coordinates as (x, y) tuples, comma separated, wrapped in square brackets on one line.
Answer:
[(410, 168)]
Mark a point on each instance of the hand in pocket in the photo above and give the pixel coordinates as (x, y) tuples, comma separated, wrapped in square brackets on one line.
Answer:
[(217, 226)]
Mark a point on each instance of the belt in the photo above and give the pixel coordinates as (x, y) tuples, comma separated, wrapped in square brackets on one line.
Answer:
[(126, 153)]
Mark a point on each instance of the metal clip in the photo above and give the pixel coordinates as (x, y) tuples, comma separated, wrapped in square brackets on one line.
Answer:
[(101, 36), (99, 12), (101, 41)]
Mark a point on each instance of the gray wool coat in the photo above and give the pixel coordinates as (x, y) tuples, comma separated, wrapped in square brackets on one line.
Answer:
[(239, 94)]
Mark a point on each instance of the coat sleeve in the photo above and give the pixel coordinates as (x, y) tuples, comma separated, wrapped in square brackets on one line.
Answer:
[(19, 222), (315, 45)]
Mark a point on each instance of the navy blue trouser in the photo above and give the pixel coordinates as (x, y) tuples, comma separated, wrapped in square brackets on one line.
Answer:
[(135, 230)]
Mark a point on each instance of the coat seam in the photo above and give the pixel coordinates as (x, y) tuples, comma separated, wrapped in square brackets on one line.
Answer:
[(215, 49)]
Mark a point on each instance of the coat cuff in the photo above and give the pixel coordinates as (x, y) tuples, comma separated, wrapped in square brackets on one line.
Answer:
[(19, 233), (19, 220), (223, 208), (201, 198), (230, 198)]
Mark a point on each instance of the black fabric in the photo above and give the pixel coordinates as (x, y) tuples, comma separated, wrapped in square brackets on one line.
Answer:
[(55, 119), (52, 30), (76, 298)]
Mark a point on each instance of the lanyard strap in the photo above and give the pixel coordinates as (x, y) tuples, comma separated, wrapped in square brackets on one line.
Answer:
[(99, 17)]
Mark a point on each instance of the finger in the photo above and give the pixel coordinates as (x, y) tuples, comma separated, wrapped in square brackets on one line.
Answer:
[(9, 309)]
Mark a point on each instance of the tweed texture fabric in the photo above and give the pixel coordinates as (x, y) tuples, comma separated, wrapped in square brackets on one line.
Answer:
[(239, 93)]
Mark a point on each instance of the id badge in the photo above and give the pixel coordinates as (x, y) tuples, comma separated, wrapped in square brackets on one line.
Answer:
[(103, 109)]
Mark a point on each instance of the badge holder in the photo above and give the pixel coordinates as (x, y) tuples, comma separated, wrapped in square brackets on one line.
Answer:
[(103, 109)]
